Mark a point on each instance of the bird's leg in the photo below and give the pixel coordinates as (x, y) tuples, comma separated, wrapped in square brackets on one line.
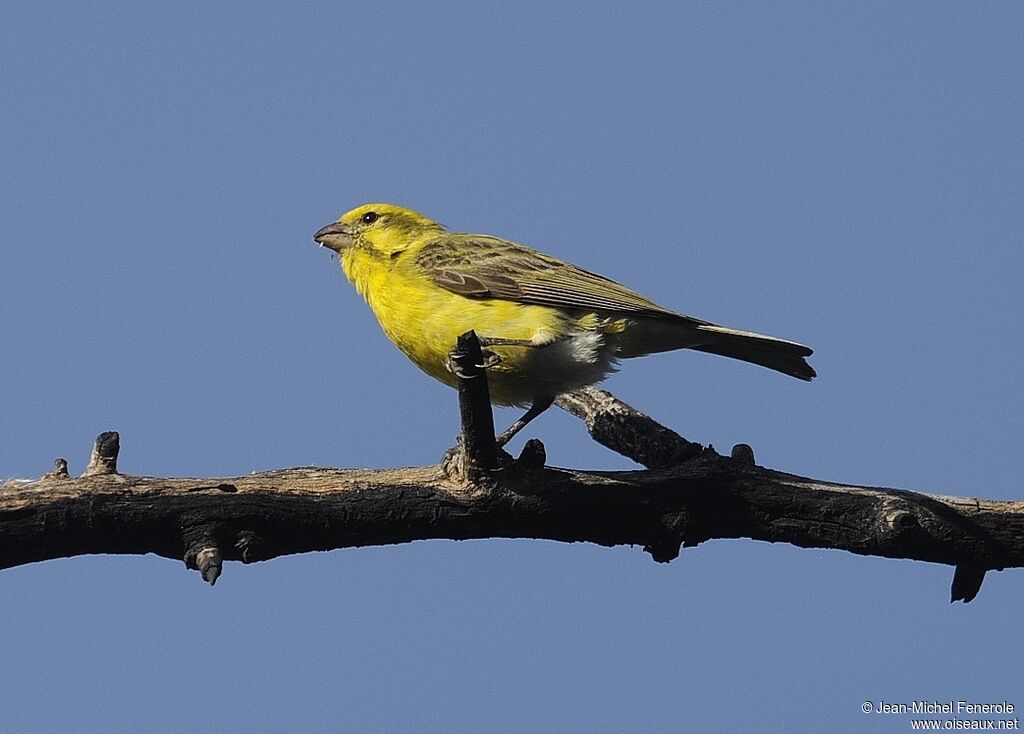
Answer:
[(538, 407), (490, 358), (499, 341)]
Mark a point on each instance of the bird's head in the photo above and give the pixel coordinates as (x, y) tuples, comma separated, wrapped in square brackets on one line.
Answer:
[(383, 230)]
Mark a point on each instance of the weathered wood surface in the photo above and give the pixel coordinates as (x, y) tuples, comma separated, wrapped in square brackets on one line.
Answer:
[(689, 494)]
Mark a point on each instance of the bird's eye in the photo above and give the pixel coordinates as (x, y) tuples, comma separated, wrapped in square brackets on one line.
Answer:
[(370, 217)]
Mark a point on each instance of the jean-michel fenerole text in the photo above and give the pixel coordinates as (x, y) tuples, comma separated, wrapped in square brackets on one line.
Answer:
[(944, 707)]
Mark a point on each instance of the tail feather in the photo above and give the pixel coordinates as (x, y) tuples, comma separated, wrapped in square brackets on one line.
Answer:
[(776, 354)]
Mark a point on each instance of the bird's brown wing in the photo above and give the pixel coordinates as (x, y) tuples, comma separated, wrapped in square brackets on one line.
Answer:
[(478, 266)]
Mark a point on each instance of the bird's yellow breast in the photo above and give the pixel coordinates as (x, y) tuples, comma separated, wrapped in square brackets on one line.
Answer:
[(425, 320)]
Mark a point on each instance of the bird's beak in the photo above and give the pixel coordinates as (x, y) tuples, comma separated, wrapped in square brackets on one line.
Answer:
[(336, 236)]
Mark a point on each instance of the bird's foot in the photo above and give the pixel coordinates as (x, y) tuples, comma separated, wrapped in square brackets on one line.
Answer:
[(490, 360), (451, 363)]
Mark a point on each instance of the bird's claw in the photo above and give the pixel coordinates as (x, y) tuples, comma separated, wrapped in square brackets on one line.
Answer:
[(490, 360), (452, 365)]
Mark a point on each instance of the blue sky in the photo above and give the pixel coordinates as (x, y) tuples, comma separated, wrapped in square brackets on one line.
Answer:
[(848, 176)]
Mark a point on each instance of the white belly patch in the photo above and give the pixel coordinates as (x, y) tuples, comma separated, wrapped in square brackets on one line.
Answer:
[(583, 358)]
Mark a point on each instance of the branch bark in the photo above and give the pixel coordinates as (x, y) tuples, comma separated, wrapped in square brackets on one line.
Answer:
[(692, 494)]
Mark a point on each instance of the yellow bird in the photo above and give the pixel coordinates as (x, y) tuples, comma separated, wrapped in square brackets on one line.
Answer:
[(548, 327)]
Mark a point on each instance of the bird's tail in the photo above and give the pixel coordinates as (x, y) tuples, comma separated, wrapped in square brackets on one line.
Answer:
[(646, 336), (777, 354)]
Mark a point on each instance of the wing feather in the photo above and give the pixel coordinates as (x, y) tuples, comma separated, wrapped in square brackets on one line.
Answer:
[(479, 266)]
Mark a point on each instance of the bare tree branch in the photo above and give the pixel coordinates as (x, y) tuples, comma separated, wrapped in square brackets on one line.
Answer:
[(477, 443), (691, 495)]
